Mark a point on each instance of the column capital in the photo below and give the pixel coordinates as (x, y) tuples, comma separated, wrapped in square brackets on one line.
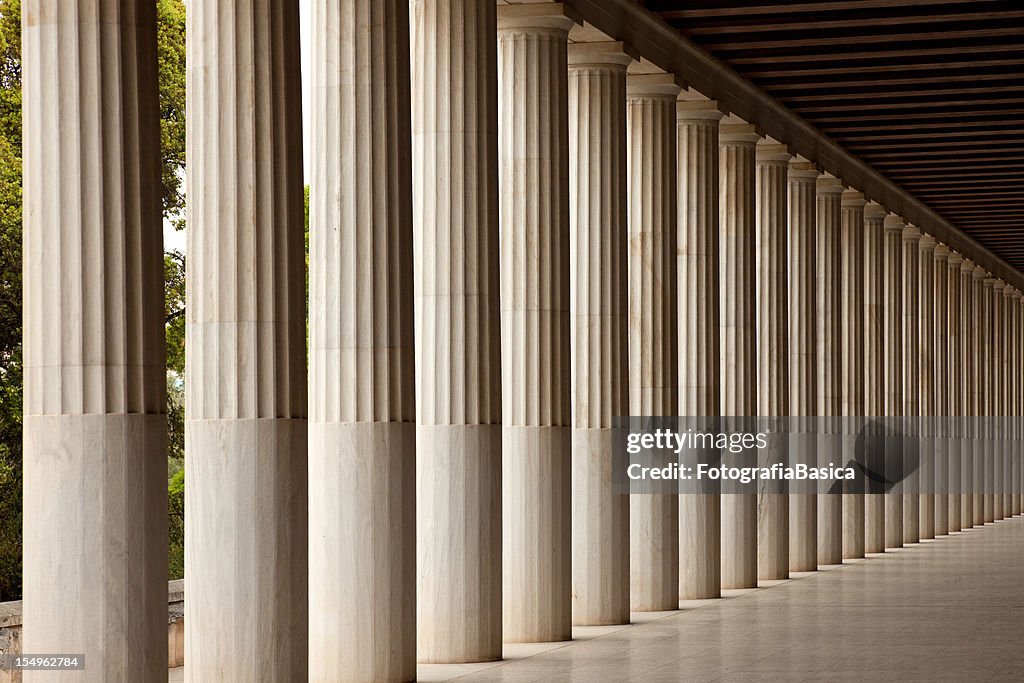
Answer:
[(1014, 294), (967, 266), (978, 273), (829, 185), (942, 252), (605, 53), (911, 233), (697, 110), (854, 199), (875, 211), (664, 85), (549, 16), (773, 152), (801, 169), (995, 283), (927, 243), (894, 223), (738, 133), (955, 259)]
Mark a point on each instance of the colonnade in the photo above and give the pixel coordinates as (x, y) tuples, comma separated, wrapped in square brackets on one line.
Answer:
[(520, 230)]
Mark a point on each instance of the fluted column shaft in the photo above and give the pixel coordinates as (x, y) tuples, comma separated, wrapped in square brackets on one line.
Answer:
[(984, 456), (911, 384), (737, 203), (1014, 372), (874, 371), (942, 403), (1006, 423), (697, 126), (926, 387), (95, 429), (968, 393), (803, 373), (362, 427), (773, 349), (600, 328), (953, 362), (537, 433), (894, 373), (994, 390), (852, 381), (245, 347), (458, 364), (653, 332), (979, 384), (829, 320)]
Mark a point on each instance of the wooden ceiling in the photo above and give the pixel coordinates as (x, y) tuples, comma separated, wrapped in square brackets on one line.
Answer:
[(929, 92)]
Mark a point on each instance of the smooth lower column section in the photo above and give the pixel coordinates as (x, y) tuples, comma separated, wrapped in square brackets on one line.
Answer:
[(773, 351), (894, 373), (600, 329), (828, 260), (738, 230), (953, 331), (969, 393), (533, 152), (874, 376), (852, 381), (362, 429), (912, 455), (1006, 396), (95, 429), (697, 125), (245, 433), (803, 373), (942, 403), (653, 349), (929, 449), (458, 359)]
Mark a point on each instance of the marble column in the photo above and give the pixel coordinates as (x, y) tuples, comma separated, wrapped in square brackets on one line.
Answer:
[(852, 354), (968, 392), (697, 124), (456, 268), (533, 153), (979, 382), (1006, 397), (894, 358), (362, 425), (803, 374), (926, 374), (245, 429), (911, 383), (984, 453), (1014, 372), (874, 371), (773, 348), (829, 321), (994, 474), (600, 328), (942, 405), (954, 332), (653, 331), (738, 229), (95, 428)]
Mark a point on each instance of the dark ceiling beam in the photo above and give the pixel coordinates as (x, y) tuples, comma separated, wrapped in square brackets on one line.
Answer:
[(664, 47), (930, 52), (908, 36), (876, 94), (988, 114), (961, 155), (863, 20), (980, 105), (1008, 141), (725, 10), (769, 70), (897, 79)]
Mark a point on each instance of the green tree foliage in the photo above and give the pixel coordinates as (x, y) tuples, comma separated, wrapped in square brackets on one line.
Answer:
[(10, 299), (171, 48)]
